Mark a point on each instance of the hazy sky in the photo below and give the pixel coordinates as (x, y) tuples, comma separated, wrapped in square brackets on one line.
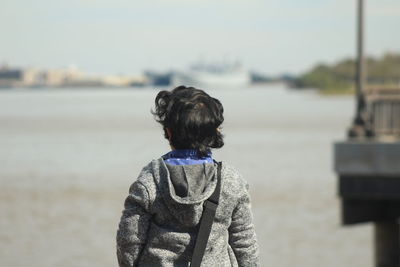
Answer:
[(125, 36)]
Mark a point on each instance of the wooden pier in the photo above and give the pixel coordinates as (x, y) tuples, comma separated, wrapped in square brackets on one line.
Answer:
[(368, 163)]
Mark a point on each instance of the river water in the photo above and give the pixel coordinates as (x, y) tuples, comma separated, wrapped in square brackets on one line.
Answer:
[(68, 156)]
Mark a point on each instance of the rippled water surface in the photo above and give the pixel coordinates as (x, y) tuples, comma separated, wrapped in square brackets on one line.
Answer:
[(68, 156)]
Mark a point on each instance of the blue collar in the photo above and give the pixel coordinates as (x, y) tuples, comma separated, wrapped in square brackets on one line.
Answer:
[(186, 157)]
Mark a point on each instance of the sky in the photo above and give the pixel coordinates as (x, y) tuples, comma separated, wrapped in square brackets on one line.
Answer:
[(129, 36)]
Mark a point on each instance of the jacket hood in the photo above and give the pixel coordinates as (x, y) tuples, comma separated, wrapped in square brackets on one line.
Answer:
[(186, 184), (183, 189)]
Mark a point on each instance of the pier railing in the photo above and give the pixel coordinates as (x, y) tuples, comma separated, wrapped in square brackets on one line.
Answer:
[(383, 107)]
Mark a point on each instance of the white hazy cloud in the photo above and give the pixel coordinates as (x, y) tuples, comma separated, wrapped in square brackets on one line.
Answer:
[(125, 36)]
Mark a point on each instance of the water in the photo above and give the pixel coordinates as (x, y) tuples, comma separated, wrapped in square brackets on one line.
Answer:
[(68, 156)]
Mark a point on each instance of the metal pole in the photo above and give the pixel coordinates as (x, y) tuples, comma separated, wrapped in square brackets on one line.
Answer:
[(360, 119), (360, 65), (387, 246), (360, 54)]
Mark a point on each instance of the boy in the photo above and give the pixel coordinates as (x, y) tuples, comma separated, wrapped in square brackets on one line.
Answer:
[(159, 224)]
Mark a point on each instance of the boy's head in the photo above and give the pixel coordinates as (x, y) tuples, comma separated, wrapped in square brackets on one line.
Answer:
[(190, 118)]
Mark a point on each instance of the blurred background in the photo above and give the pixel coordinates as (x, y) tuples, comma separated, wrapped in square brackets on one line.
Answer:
[(78, 79)]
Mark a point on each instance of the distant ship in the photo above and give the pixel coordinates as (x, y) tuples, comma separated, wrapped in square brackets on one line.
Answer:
[(213, 75)]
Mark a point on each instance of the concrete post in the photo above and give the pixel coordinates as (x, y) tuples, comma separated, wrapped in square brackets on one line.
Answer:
[(387, 249)]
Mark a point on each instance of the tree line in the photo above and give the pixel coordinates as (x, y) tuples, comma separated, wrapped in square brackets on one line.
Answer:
[(383, 71)]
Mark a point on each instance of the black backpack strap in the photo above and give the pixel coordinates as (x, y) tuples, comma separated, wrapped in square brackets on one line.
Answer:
[(207, 218)]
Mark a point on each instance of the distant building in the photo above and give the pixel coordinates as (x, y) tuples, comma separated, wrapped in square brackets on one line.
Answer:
[(158, 79), (66, 77), (55, 77), (124, 81), (11, 74), (10, 77), (33, 77)]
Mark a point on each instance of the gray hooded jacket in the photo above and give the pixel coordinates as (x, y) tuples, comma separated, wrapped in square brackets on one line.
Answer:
[(160, 221)]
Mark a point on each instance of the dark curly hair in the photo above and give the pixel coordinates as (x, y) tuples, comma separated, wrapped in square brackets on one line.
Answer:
[(193, 118)]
